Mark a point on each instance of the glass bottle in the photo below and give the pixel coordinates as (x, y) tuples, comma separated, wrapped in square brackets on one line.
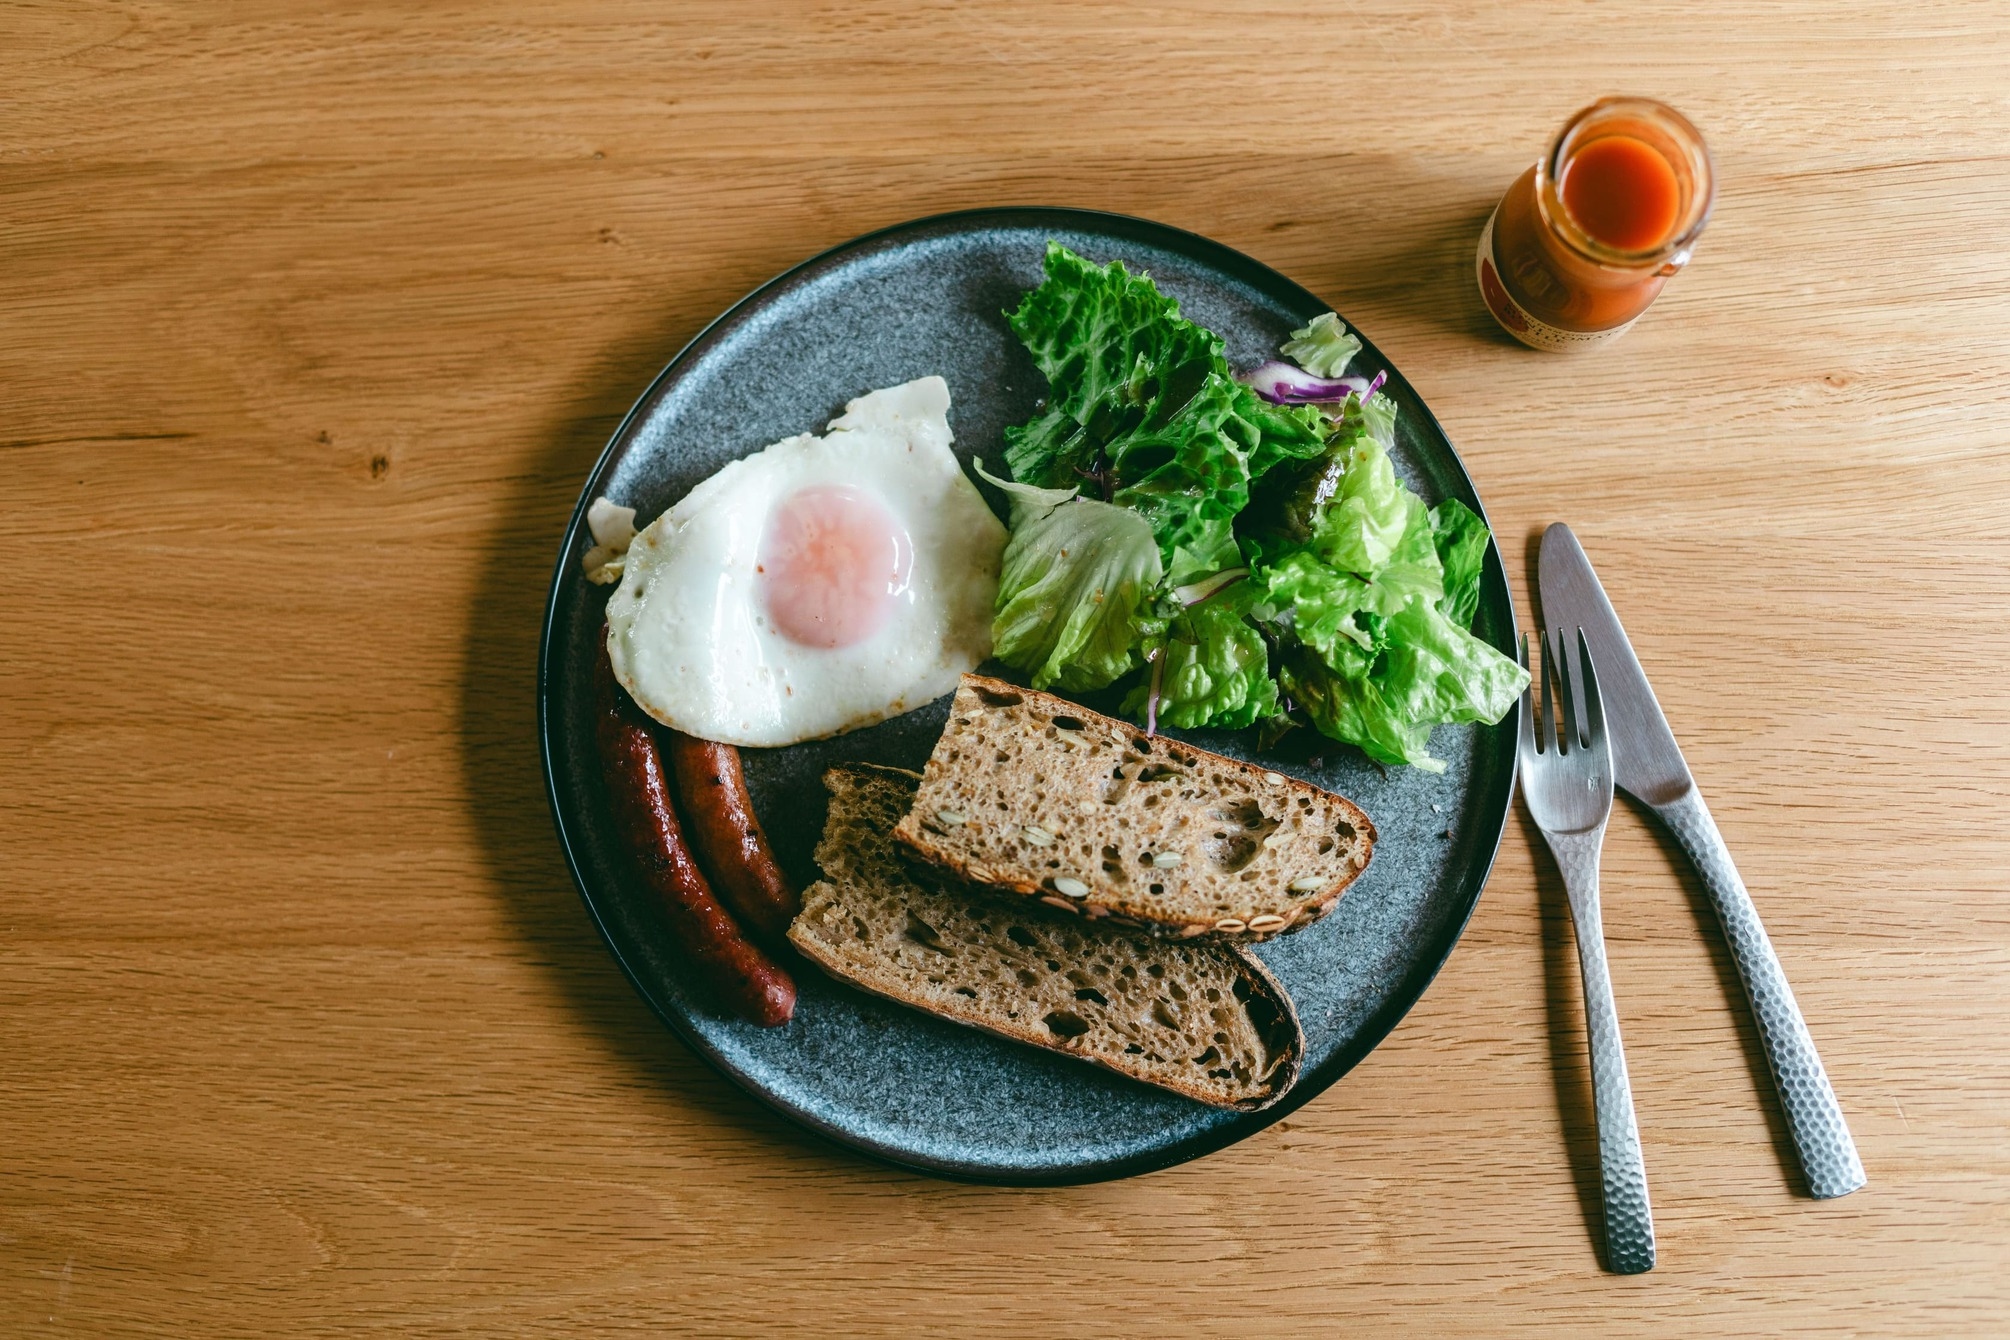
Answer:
[(1584, 240)]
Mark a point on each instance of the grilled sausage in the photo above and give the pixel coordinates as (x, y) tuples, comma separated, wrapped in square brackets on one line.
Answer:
[(719, 814), (639, 787)]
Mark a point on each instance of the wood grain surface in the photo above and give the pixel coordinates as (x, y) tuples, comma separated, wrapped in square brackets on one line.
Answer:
[(312, 319)]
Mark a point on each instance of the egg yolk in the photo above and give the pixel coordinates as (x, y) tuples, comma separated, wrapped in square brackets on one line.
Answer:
[(833, 565)]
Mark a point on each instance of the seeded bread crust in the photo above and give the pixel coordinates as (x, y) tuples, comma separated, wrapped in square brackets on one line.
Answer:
[(1031, 794), (1204, 1020)]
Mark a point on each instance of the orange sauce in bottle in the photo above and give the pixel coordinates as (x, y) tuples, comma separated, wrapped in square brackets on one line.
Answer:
[(1622, 192), (1585, 239)]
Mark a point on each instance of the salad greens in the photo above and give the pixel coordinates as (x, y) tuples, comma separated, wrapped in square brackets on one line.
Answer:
[(1143, 407), (1211, 668), (1322, 347), (1074, 589), (1248, 562)]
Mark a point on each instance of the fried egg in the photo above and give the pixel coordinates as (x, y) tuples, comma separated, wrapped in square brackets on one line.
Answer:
[(817, 586)]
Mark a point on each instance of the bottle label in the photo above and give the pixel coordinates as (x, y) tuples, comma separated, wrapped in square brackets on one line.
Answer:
[(1516, 320)]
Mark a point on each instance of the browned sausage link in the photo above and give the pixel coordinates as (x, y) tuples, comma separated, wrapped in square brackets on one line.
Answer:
[(712, 794), (732, 965)]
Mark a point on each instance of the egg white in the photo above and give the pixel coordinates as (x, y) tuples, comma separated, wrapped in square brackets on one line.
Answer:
[(687, 631)]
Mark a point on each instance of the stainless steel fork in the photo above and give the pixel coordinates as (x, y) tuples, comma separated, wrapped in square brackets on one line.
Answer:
[(1566, 778)]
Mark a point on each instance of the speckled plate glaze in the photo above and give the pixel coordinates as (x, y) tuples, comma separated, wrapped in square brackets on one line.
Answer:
[(928, 297)]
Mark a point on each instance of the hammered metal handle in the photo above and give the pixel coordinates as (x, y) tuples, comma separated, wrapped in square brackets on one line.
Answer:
[(1828, 1155), (1629, 1220)]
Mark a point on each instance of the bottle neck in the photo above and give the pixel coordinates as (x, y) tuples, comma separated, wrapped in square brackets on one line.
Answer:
[(1626, 186), (1556, 281)]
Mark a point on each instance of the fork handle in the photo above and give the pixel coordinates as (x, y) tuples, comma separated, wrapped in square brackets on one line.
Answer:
[(1629, 1220), (1815, 1119)]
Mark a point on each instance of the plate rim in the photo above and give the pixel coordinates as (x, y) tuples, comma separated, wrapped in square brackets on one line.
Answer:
[(1377, 1027)]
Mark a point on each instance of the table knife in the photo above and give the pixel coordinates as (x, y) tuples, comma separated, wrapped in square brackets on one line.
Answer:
[(1648, 766)]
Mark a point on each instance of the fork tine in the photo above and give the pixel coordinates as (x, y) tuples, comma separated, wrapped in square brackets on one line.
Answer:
[(1556, 650), (1527, 728), (1545, 735), (1531, 724), (1594, 704)]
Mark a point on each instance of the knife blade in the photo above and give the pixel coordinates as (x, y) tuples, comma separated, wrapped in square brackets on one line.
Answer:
[(1648, 765)]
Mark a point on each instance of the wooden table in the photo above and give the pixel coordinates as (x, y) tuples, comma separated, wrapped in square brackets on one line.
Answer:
[(311, 324)]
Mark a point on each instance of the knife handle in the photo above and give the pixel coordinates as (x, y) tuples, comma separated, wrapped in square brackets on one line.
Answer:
[(1622, 1170), (1815, 1119)]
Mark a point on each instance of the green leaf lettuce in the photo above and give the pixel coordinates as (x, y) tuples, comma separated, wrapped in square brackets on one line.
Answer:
[(1357, 599), (1215, 671), (1323, 348), (1461, 539), (1376, 619), (1141, 401), (1075, 590)]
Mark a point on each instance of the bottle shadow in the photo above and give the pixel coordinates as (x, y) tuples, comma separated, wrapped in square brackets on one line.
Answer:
[(1434, 273), (1422, 272), (503, 775)]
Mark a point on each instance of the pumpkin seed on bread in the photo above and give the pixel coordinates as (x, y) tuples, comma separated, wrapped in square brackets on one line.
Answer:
[(1203, 1019), (1034, 795)]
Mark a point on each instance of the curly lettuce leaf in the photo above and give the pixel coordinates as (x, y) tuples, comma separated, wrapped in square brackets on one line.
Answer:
[(1322, 602), (1216, 672), (1323, 348), (1324, 599), (1368, 513), (1352, 708), (1461, 541), (1381, 681), (1437, 672), (1346, 522), (1298, 498), (1369, 606), (1112, 348), (1075, 593), (1285, 432), (1189, 477), (1046, 447), (1141, 401)]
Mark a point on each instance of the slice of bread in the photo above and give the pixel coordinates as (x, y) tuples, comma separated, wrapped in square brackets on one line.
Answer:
[(1204, 1020), (1029, 793)]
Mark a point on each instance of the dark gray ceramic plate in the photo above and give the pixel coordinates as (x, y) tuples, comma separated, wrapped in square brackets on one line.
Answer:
[(927, 297)]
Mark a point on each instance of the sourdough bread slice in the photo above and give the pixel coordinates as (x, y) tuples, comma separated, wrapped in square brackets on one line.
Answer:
[(1029, 793), (1205, 1020)]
